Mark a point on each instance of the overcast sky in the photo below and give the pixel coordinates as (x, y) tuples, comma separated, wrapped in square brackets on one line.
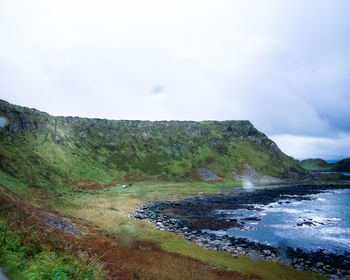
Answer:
[(283, 65)]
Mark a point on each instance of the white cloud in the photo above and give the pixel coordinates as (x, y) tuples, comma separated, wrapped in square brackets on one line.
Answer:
[(302, 147), (284, 65)]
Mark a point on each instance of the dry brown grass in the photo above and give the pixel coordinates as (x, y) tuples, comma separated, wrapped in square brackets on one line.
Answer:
[(138, 260), (109, 211)]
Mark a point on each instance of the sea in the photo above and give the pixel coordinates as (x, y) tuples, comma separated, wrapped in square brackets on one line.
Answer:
[(320, 222)]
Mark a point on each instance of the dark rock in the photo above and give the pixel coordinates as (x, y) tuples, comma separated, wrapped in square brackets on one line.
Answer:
[(189, 218), (60, 224)]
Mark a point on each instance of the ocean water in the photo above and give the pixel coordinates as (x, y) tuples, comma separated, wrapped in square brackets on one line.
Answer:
[(320, 223), (332, 161)]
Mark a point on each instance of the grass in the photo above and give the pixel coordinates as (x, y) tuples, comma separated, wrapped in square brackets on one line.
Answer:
[(47, 151), (241, 264), (52, 162), (110, 209), (316, 164), (28, 259)]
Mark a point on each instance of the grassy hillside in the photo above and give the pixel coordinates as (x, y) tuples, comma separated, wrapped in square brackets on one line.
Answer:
[(49, 151), (317, 164), (73, 167)]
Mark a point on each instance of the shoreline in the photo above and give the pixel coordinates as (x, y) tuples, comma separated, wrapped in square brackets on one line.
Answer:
[(188, 217)]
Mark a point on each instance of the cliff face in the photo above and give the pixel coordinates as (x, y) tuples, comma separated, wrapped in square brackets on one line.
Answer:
[(343, 165), (42, 148)]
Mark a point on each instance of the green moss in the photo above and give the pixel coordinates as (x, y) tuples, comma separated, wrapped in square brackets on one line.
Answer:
[(241, 264)]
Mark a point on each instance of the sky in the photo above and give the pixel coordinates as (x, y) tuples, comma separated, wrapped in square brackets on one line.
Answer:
[(283, 65)]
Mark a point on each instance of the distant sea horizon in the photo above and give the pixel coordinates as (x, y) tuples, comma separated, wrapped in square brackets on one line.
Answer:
[(332, 160), (326, 160)]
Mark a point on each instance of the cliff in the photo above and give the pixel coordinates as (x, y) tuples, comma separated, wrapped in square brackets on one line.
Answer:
[(47, 151), (342, 165)]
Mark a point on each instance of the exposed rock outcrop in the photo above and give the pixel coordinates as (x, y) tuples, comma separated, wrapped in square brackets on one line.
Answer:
[(207, 175), (249, 173)]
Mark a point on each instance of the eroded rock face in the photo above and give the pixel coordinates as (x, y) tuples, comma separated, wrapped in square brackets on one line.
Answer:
[(249, 173), (207, 175), (22, 118)]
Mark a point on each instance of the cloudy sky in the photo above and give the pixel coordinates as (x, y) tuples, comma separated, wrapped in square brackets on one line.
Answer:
[(283, 65)]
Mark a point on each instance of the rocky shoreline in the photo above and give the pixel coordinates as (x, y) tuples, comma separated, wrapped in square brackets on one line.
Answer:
[(190, 216)]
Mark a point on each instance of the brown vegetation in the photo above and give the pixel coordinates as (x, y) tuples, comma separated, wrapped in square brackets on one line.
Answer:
[(138, 260), (91, 185), (132, 177)]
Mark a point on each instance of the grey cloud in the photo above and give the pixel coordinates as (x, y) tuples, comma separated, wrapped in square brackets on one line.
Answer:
[(284, 65), (302, 147)]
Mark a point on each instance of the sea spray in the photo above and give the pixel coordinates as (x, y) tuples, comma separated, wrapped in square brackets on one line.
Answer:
[(248, 185)]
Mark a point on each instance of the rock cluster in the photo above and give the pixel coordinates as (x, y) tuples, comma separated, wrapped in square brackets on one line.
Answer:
[(331, 265), (207, 175), (60, 224)]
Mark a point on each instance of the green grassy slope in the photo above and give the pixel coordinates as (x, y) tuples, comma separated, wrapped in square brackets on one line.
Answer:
[(24, 257), (316, 164), (49, 151), (42, 157)]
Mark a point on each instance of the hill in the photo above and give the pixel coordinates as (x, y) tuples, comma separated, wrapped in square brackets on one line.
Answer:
[(317, 164), (46, 151), (342, 165), (62, 204)]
